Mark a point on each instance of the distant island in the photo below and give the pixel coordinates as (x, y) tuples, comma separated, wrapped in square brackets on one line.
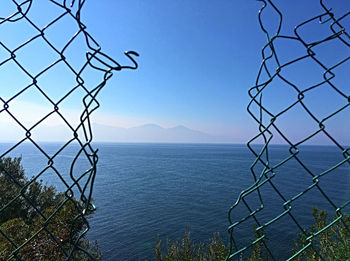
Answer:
[(109, 133), (154, 133), (150, 133)]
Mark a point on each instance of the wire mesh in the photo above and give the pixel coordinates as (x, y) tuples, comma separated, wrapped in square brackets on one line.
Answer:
[(15, 53), (265, 169)]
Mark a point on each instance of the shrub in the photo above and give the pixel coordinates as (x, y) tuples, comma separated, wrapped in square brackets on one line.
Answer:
[(186, 250), (332, 244), (46, 236)]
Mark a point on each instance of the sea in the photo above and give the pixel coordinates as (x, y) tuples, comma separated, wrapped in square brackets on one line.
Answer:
[(145, 192)]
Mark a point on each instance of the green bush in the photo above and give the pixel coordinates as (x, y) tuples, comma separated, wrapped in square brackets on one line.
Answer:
[(187, 250), (38, 238), (332, 244)]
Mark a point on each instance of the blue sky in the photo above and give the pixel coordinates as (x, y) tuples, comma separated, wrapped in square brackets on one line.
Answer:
[(191, 57), (197, 61)]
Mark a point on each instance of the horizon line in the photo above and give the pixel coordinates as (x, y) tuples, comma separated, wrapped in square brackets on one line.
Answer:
[(185, 143)]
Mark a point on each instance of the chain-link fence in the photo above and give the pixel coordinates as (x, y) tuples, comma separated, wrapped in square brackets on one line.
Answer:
[(21, 60), (46, 43), (323, 42)]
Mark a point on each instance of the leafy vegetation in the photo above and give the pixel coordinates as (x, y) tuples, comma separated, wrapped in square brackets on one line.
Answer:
[(34, 217), (258, 249), (215, 250), (332, 244), (187, 250)]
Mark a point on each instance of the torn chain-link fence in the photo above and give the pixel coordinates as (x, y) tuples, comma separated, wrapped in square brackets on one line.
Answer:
[(296, 100), (48, 59)]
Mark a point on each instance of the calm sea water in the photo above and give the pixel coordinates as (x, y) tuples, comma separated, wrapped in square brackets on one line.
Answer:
[(145, 191)]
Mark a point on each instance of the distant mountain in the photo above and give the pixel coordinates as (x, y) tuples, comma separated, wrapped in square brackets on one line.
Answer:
[(151, 133), (143, 133), (13, 132)]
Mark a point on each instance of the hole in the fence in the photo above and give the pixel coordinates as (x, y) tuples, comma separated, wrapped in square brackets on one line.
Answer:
[(76, 53), (287, 96), (72, 107), (278, 232), (292, 177), (67, 24), (92, 78), (14, 34), (51, 176), (14, 80), (288, 50), (335, 182), (36, 56), (52, 128), (323, 101), (331, 53), (58, 81), (332, 126), (339, 80), (11, 134), (30, 108), (311, 71), (40, 18), (288, 124), (33, 160), (7, 8), (307, 31)]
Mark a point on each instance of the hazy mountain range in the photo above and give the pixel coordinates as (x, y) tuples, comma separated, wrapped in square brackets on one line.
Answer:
[(146, 133), (152, 133), (105, 133)]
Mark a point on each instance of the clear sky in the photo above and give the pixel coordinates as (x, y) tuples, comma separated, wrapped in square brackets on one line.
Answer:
[(197, 61)]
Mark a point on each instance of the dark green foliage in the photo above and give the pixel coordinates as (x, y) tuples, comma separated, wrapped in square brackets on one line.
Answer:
[(19, 196), (39, 222), (332, 244), (215, 250), (187, 250), (258, 249)]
